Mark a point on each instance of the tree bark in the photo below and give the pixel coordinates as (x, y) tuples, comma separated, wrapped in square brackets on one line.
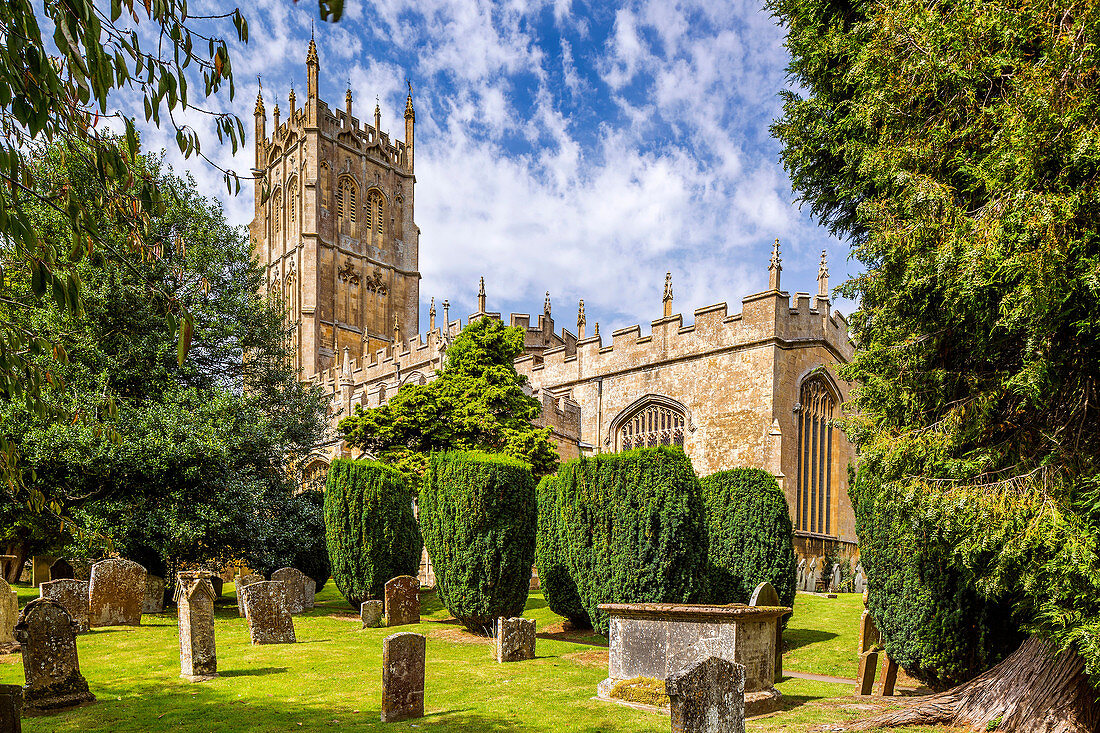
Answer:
[(15, 567), (1033, 690)]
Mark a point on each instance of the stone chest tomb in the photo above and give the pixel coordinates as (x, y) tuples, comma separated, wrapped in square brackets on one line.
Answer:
[(655, 639)]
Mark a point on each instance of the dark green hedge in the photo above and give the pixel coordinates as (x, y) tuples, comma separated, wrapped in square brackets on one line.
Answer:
[(632, 529), (370, 528), (557, 587), (478, 516), (750, 537)]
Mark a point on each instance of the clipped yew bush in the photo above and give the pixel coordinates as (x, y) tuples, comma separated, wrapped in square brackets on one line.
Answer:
[(750, 537), (370, 528), (557, 586), (631, 529), (478, 516)]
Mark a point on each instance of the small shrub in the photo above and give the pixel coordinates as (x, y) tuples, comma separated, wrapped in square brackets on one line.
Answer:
[(478, 516), (557, 587), (631, 529), (370, 529), (749, 535)]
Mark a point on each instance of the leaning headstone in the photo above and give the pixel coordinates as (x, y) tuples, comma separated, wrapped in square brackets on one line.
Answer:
[(40, 569), (116, 593), (765, 595), (9, 615), (402, 677), (73, 595), (195, 602), (370, 613), (154, 594), (61, 570), (269, 621), (311, 593), (865, 680), (515, 639), (294, 581), (801, 583), (243, 581), (48, 635), (889, 675), (708, 696), (402, 600), (11, 708)]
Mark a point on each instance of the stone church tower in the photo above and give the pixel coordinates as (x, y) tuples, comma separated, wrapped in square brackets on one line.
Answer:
[(334, 226)]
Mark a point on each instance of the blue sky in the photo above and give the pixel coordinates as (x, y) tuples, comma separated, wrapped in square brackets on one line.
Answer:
[(584, 149)]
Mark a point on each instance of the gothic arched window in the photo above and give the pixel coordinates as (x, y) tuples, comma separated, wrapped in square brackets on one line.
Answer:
[(817, 403), (652, 423), (314, 474), (324, 185), (376, 205), (292, 206), (276, 216), (346, 202)]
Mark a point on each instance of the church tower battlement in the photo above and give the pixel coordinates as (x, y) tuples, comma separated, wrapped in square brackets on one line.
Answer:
[(334, 225)]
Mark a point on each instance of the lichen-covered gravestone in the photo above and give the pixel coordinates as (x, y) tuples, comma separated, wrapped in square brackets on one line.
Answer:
[(244, 581), (370, 613), (62, 569), (269, 621), (116, 593), (195, 602), (73, 595), (311, 592), (402, 601), (9, 615), (765, 595), (11, 708), (154, 594), (294, 582), (708, 696), (48, 635), (515, 639), (402, 677)]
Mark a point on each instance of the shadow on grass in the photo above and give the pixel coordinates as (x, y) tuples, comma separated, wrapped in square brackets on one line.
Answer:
[(256, 672), (573, 637), (795, 638)]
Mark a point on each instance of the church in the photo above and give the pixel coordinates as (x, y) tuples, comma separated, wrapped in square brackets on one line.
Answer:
[(334, 227)]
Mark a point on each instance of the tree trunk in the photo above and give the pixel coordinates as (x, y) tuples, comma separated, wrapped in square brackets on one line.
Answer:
[(1032, 691), (15, 567)]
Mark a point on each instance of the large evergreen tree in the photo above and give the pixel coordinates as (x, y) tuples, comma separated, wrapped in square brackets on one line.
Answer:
[(957, 146)]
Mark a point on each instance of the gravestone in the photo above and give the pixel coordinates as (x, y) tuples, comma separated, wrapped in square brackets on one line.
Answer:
[(154, 594), (515, 639), (865, 680), (889, 675), (40, 569), (9, 616), (195, 602), (370, 613), (837, 578), (82, 569), (708, 696), (311, 592), (402, 601), (801, 582), (61, 570), (11, 708), (217, 583), (72, 594), (294, 582), (765, 595), (116, 593), (48, 635), (269, 621), (403, 677), (810, 576), (859, 582), (244, 581)]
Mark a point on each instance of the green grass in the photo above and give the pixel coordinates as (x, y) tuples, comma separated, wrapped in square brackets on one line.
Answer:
[(331, 679), (823, 635)]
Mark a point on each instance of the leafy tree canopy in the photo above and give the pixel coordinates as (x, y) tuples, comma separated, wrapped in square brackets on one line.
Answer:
[(476, 402)]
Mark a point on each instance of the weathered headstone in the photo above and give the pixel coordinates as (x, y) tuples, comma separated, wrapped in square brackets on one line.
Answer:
[(370, 613), (116, 593), (243, 581), (837, 578), (311, 593), (402, 601), (269, 621), (62, 569), (11, 708), (515, 639), (708, 696), (869, 636), (801, 582), (859, 580), (889, 675), (48, 635), (72, 594), (294, 582), (9, 615), (865, 680), (40, 569), (195, 602), (403, 677), (82, 569), (218, 583), (154, 594), (765, 595)]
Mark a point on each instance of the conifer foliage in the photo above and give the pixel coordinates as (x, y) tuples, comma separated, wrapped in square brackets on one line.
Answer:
[(370, 528), (478, 518), (557, 586)]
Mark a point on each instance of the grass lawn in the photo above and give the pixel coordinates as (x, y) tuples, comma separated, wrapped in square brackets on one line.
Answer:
[(331, 679)]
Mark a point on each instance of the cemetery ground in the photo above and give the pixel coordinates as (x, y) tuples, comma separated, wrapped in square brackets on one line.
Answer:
[(331, 679)]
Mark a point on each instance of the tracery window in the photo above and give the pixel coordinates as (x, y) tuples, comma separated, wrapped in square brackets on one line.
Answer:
[(314, 475), (375, 208), (815, 456), (276, 213), (346, 198), (651, 426), (292, 205)]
